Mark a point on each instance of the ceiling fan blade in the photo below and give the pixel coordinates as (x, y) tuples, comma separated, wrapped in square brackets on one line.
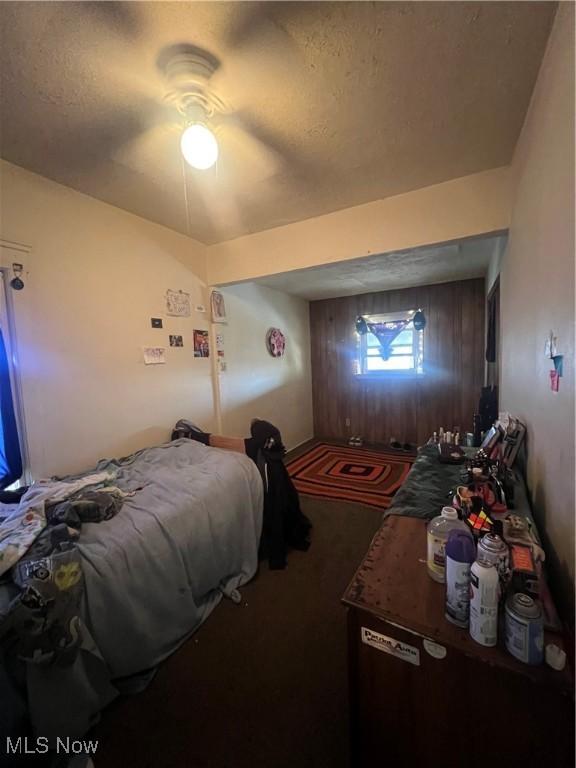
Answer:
[(257, 41), (82, 148), (244, 154), (221, 206), (126, 80), (119, 19), (293, 162), (155, 151), (98, 140), (267, 26), (254, 22)]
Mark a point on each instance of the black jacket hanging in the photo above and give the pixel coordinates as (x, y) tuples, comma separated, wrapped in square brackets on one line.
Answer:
[(285, 526)]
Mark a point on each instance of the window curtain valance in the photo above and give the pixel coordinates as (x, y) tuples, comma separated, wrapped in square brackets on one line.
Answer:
[(387, 332)]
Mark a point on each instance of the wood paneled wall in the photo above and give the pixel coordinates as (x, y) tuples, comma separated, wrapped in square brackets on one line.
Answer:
[(409, 409)]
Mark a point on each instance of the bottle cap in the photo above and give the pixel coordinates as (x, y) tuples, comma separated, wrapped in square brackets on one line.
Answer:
[(555, 657), (450, 513)]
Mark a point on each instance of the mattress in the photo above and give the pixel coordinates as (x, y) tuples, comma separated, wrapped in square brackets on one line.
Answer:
[(188, 536)]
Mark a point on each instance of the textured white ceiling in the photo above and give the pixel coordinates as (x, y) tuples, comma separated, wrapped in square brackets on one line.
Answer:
[(385, 272), (353, 101)]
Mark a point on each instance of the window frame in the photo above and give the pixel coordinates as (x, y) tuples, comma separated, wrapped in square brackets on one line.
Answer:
[(416, 372)]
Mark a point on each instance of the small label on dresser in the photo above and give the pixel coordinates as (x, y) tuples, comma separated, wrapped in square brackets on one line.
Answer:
[(390, 645), (435, 650)]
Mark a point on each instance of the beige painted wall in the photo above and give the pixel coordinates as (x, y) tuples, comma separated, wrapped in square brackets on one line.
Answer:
[(256, 384), (537, 294), (472, 205), (96, 275), (495, 264)]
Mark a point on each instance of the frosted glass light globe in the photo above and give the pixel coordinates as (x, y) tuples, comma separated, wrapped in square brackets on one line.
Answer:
[(199, 146)]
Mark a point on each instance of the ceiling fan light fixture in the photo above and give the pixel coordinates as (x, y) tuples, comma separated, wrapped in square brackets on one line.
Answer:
[(199, 146)]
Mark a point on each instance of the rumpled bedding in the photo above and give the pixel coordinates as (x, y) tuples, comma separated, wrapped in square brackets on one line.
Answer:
[(22, 523), (427, 487), (152, 575), (42, 624)]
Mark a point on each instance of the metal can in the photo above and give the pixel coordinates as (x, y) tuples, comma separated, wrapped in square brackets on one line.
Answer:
[(524, 629), (493, 549), (484, 596)]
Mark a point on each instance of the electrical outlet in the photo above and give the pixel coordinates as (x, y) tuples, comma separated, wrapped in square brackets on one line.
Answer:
[(347, 422)]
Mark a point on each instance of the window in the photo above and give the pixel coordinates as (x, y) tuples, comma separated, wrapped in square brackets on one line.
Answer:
[(12, 451), (406, 349)]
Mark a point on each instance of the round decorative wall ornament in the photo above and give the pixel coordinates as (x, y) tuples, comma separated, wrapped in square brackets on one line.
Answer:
[(275, 342)]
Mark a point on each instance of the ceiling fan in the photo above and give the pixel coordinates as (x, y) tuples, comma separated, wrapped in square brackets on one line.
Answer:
[(188, 71), (191, 123), (190, 115)]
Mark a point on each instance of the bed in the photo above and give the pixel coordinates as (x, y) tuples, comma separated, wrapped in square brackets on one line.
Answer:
[(152, 575)]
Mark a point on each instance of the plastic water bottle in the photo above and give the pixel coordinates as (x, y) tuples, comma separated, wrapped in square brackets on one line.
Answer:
[(438, 530), (460, 554)]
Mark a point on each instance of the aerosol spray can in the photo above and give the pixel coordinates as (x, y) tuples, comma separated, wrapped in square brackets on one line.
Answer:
[(460, 554), (484, 595), (493, 549), (524, 629)]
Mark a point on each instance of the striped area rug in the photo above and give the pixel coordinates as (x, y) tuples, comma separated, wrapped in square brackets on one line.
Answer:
[(360, 475)]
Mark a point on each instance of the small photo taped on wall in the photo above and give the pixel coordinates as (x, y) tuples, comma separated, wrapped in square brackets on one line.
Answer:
[(201, 344), (176, 341)]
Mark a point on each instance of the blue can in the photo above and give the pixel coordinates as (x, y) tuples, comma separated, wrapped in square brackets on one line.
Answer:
[(524, 629)]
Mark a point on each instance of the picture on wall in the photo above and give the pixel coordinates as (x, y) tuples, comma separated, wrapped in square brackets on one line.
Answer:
[(154, 355), (177, 303), (218, 307), (176, 341), (275, 342), (201, 344)]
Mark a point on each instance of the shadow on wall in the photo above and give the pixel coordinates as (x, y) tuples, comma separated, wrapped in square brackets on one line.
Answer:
[(561, 583), (147, 438), (272, 405)]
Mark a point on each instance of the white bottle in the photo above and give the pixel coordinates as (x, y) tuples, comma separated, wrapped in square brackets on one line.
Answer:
[(438, 530), (484, 586)]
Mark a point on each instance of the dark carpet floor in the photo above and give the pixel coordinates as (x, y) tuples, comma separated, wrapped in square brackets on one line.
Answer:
[(262, 684)]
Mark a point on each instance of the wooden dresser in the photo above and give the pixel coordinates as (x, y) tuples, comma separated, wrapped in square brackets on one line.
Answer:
[(423, 693)]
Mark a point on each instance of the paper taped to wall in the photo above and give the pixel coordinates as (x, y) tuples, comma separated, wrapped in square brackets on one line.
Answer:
[(154, 355), (177, 303)]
